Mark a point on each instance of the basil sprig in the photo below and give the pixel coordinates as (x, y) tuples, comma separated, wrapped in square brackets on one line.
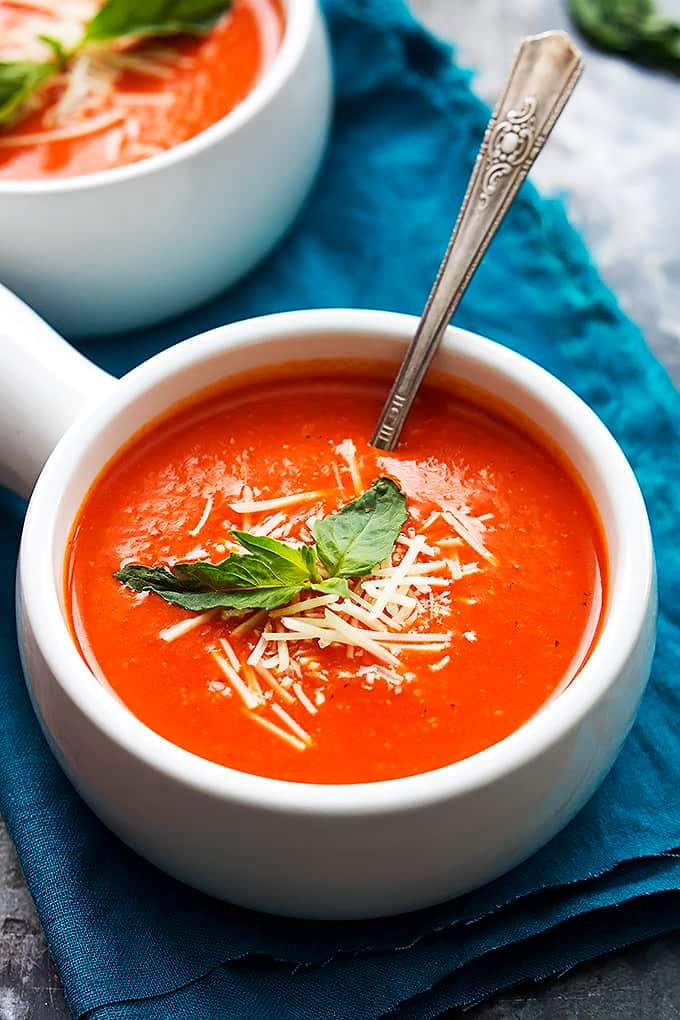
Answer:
[(116, 19), (634, 28), (349, 543)]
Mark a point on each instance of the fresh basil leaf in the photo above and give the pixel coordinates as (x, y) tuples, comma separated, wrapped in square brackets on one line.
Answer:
[(296, 562), (18, 81), (201, 586), (333, 586), (270, 574), (352, 541), (634, 28), (118, 18)]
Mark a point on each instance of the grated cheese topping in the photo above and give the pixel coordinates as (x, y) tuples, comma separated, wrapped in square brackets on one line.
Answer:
[(88, 127), (255, 506), (249, 697), (388, 616), (207, 510), (308, 705), (87, 101), (348, 451), (178, 630)]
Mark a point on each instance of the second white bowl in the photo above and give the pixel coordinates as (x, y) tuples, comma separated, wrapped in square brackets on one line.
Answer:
[(117, 250)]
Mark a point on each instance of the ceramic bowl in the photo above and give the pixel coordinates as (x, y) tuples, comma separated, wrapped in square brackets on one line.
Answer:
[(304, 850), (120, 249)]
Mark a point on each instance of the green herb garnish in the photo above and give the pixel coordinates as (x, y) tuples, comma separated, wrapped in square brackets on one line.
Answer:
[(361, 534), (349, 543), (116, 19), (634, 28), (19, 80), (140, 18)]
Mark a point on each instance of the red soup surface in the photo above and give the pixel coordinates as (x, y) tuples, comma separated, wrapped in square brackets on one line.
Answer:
[(487, 606), (124, 102)]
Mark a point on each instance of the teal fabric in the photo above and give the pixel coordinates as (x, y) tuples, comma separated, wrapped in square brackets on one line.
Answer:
[(130, 943)]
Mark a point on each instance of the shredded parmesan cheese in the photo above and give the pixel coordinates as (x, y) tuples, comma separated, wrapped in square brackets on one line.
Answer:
[(269, 525), (282, 648), (303, 699), (114, 144), (399, 574), (207, 510), (252, 681), (426, 550), (432, 519), (299, 745), (270, 679), (258, 506), (470, 530), (455, 568), (348, 634), (348, 452), (291, 723), (85, 127), (305, 606), (414, 569), (249, 698), (177, 630), (249, 624), (259, 648), (336, 472), (230, 654)]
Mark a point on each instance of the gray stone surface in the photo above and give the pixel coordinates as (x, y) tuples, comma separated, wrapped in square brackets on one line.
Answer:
[(29, 986), (616, 155)]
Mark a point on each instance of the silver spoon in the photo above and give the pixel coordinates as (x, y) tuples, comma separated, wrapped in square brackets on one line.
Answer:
[(543, 76)]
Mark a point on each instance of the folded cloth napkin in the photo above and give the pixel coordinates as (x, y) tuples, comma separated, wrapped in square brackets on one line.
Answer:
[(130, 942)]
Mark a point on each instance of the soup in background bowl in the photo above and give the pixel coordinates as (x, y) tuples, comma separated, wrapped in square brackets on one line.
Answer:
[(320, 848), (171, 166), (125, 99)]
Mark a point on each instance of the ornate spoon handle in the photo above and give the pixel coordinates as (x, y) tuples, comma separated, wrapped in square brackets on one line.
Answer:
[(542, 78)]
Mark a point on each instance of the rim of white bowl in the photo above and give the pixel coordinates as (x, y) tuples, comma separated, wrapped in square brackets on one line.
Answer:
[(627, 607), (298, 24)]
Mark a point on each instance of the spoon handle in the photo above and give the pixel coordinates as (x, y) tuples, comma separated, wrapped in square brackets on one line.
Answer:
[(543, 76)]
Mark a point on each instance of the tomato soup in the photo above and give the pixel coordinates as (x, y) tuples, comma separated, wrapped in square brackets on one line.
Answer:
[(120, 104), (486, 605)]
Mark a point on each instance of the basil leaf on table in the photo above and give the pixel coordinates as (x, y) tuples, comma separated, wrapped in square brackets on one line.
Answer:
[(632, 27), (19, 80), (118, 18), (354, 540)]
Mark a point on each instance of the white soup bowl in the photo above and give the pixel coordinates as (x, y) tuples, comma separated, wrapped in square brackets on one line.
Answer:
[(117, 250), (335, 851)]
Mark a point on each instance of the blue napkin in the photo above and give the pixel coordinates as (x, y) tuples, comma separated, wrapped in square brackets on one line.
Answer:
[(132, 944)]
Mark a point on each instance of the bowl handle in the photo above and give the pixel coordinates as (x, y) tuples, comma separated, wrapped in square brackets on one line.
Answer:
[(44, 384)]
